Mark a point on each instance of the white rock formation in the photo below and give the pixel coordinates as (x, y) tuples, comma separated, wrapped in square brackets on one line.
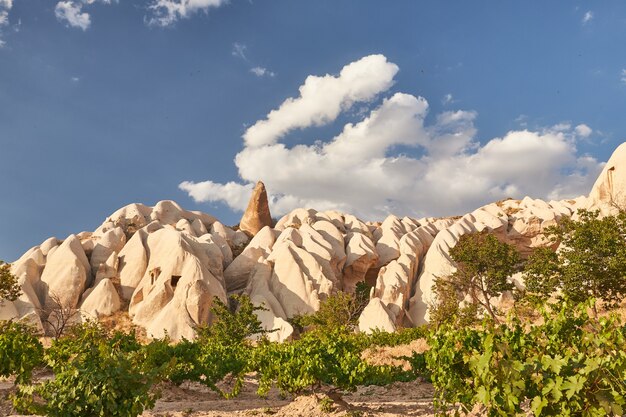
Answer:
[(167, 264)]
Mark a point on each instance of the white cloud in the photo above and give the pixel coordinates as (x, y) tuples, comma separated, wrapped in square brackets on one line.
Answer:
[(5, 8), (322, 99), (262, 72), (167, 12), (623, 76), (239, 50), (391, 160), (587, 17), (583, 130), (71, 13), (448, 99)]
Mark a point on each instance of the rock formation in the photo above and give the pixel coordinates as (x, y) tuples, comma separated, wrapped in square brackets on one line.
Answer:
[(164, 265), (257, 215), (609, 191)]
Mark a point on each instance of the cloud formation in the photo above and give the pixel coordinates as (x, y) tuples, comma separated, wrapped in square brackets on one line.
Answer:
[(583, 130), (587, 17), (322, 99), (71, 12), (262, 72), (392, 161), (168, 12), (239, 50), (5, 7)]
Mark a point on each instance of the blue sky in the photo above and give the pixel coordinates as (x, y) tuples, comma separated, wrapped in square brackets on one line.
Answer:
[(104, 103)]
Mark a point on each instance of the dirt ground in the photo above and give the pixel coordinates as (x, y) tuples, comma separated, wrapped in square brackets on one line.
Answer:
[(194, 400)]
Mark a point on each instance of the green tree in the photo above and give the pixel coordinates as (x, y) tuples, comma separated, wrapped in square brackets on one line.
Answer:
[(484, 265), (340, 309), (9, 287), (591, 263)]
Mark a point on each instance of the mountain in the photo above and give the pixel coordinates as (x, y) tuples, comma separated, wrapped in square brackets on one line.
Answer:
[(164, 265)]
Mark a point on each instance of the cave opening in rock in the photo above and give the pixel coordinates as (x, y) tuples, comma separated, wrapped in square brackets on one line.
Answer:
[(174, 281)]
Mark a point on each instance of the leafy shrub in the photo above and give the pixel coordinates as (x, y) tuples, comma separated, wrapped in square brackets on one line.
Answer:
[(222, 349), (9, 287), (570, 365), (321, 356), (95, 374), (340, 309), (20, 351), (402, 336)]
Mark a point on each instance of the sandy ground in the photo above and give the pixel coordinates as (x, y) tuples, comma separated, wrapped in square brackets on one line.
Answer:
[(399, 399), (190, 399)]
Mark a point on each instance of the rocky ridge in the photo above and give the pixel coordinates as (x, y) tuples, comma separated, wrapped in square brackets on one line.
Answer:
[(165, 265)]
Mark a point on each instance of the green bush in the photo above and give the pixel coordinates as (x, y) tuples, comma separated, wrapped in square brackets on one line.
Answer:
[(400, 337), (570, 365), (340, 309), (221, 350), (95, 374), (9, 287), (20, 351), (322, 356)]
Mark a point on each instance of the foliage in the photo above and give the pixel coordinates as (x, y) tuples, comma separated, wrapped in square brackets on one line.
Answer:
[(402, 336), (95, 374), (449, 308), (20, 351), (9, 287), (340, 309), (321, 356), (590, 264), (222, 349), (484, 265), (570, 365)]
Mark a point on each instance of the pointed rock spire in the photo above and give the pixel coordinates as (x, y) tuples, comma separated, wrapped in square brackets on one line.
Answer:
[(257, 215)]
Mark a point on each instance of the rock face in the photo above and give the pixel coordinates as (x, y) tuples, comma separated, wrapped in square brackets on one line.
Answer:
[(609, 191), (257, 215), (164, 265)]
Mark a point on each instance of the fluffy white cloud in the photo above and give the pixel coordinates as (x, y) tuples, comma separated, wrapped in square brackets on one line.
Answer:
[(391, 160), (5, 7), (322, 99), (587, 17), (262, 72), (167, 12), (583, 130), (71, 13)]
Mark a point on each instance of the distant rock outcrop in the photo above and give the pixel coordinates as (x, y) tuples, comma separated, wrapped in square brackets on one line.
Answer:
[(165, 265), (257, 215)]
